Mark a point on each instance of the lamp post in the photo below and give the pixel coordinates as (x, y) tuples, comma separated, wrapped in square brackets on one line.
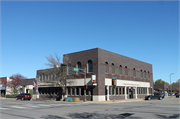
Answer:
[(171, 84)]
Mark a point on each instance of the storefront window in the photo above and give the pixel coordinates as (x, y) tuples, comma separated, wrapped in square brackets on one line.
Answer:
[(72, 89), (116, 90), (77, 91), (82, 91), (123, 90), (69, 91), (120, 91)]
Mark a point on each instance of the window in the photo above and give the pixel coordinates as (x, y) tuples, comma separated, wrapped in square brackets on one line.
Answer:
[(126, 71), (134, 72), (72, 91), (56, 77), (69, 91), (123, 91), (120, 91), (79, 66), (116, 90), (148, 74), (77, 91), (52, 77), (40, 77), (110, 90), (82, 91), (49, 77), (43, 77), (90, 66), (112, 68), (141, 74), (113, 91), (120, 69), (144, 73), (46, 77), (106, 67)]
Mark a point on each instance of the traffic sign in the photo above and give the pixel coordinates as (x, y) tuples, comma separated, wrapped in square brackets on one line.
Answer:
[(76, 69), (114, 77)]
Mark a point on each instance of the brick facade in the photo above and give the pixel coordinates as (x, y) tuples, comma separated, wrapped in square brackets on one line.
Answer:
[(137, 71)]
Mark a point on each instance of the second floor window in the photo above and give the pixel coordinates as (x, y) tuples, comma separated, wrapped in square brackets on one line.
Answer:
[(79, 65), (106, 67), (134, 72), (49, 77), (90, 66), (112, 68), (120, 69), (126, 71), (46, 77), (141, 74), (148, 74), (144, 73), (43, 77)]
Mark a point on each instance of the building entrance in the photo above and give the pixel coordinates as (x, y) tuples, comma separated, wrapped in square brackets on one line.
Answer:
[(131, 93)]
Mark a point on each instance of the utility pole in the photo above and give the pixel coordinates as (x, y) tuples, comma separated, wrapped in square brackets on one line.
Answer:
[(170, 83), (85, 85)]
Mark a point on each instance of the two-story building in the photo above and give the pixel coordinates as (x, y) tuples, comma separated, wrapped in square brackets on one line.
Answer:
[(134, 78)]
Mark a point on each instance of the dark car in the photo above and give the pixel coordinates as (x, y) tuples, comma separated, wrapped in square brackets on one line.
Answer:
[(158, 96), (23, 96), (178, 95)]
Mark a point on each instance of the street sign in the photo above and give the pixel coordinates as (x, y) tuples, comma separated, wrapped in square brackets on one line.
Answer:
[(93, 78), (76, 69), (114, 77)]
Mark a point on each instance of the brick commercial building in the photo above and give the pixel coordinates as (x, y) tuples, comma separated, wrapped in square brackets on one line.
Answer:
[(134, 78)]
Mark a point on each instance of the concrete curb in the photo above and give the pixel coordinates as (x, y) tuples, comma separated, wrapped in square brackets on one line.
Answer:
[(100, 102)]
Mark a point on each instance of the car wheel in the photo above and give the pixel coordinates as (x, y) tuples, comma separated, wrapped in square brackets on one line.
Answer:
[(149, 98), (22, 99), (16, 98), (160, 98)]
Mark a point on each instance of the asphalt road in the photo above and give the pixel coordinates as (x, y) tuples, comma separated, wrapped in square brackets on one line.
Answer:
[(154, 109)]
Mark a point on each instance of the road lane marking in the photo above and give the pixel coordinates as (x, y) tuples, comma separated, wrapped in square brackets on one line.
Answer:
[(15, 102), (17, 107), (3, 108), (43, 105)]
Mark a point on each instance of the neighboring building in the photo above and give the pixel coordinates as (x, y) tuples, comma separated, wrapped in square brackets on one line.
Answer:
[(4, 88), (27, 85), (3, 81), (134, 78)]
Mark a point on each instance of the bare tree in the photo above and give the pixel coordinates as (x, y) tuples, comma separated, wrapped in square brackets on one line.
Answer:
[(15, 82), (59, 71)]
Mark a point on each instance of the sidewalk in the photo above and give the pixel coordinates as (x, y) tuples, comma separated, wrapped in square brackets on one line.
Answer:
[(87, 102), (100, 102)]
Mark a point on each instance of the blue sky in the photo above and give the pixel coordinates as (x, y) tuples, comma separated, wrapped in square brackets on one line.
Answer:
[(146, 31)]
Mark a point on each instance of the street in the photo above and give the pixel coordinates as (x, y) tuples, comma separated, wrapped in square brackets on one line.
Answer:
[(156, 109)]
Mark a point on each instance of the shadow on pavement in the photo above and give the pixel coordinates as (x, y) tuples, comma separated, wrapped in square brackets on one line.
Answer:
[(87, 115), (52, 117), (169, 117)]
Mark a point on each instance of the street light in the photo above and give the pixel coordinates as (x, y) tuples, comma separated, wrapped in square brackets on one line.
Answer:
[(171, 84)]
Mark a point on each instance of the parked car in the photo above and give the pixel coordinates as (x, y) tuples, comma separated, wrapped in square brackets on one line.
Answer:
[(23, 96), (178, 95), (158, 96)]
